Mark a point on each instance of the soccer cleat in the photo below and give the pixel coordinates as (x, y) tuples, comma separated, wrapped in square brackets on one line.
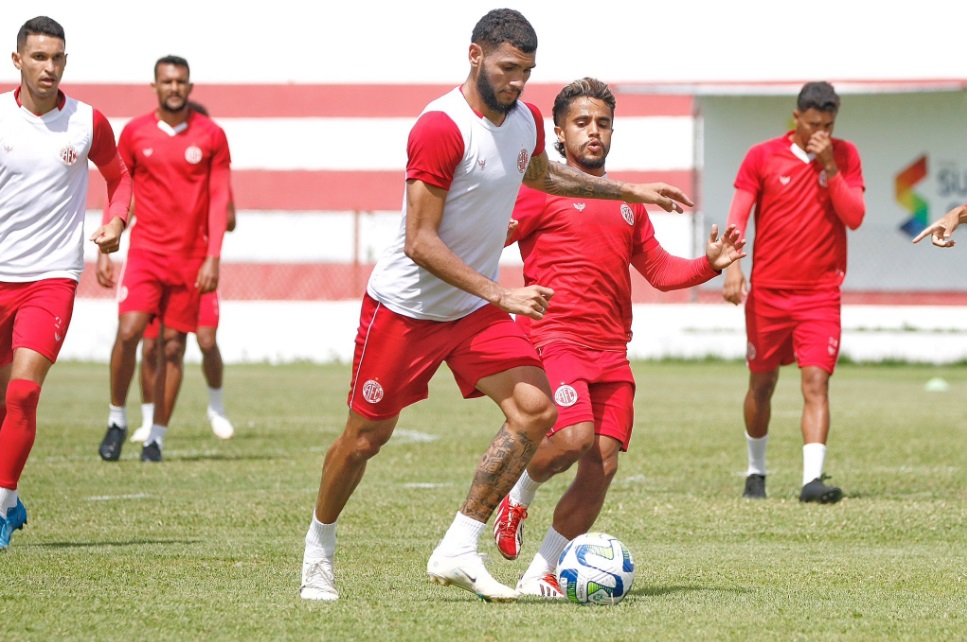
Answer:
[(141, 435), (543, 586), (221, 426), (15, 519), (817, 491), (151, 452), (509, 528), (110, 449), (318, 580), (755, 487), (469, 573)]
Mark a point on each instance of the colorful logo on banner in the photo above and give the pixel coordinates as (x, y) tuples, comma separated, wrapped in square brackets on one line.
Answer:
[(911, 201)]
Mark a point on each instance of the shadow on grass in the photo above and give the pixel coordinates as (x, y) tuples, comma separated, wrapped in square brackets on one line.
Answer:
[(655, 591), (135, 542)]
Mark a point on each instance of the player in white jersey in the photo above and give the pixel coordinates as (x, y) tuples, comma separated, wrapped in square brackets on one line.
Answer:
[(46, 140), (434, 298)]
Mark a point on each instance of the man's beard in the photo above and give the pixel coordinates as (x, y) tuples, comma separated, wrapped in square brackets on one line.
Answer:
[(173, 110), (489, 96)]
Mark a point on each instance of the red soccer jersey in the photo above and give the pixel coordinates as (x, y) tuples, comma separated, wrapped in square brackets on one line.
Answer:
[(582, 250), (800, 242), (181, 184)]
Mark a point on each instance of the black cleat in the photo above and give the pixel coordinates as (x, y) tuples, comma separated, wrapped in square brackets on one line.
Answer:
[(755, 487), (151, 452), (817, 491), (110, 449)]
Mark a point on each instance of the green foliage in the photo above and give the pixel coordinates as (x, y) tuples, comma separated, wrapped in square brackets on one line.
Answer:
[(208, 544)]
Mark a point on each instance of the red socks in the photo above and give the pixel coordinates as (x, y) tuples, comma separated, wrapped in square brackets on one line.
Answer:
[(18, 430)]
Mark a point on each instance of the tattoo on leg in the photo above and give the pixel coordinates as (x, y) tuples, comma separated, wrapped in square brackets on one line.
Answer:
[(497, 472)]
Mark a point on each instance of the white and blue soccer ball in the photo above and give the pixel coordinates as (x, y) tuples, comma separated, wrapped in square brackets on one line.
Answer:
[(595, 568)]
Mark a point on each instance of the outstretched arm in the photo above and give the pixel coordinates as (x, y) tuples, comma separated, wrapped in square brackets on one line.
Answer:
[(666, 272), (943, 228), (561, 180)]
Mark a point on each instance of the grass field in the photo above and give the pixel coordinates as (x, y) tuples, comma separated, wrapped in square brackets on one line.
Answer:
[(208, 544)]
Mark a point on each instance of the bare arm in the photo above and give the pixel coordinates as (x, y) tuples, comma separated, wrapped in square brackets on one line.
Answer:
[(735, 287), (561, 180), (424, 213), (943, 228)]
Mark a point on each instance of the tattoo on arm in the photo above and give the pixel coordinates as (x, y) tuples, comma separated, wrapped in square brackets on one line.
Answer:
[(562, 180)]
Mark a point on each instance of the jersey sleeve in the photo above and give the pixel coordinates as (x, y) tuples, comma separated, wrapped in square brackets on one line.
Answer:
[(748, 177), (434, 150), (644, 238), (528, 212), (539, 121), (104, 154), (219, 196)]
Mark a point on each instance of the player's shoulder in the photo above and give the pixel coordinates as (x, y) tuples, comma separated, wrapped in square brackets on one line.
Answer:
[(141, 121)]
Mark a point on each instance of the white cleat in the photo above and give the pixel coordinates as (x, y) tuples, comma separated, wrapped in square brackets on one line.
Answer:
[(141, 435), (318, 580), (469, 573), (221, 426), (544, 586)]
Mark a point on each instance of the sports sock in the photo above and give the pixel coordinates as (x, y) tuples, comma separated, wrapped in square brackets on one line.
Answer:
[(19, 430), (8, 499), (147, 415), (813, 459), (756, 449), (322, 536), (117, 416), (157, 435), (545, 561), (215, 401), (524, 490), (462, 536)]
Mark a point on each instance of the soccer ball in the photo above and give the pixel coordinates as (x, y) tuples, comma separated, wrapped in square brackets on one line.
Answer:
[(595, 568)]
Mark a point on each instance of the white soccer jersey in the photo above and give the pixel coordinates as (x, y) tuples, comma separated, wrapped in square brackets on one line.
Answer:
[(487, 172), (43, 190)]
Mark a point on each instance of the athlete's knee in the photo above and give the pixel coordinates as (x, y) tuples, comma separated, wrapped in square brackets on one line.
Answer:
[(762, 385), (206, 342)]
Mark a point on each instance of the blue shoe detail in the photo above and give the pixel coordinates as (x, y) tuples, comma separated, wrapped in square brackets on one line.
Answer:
[(15, 519)]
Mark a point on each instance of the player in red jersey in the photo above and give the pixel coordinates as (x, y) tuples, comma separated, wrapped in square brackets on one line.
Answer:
[(179, 162), (436, 286), (584, 249), (212, 367), (46, 140), (807, 189)]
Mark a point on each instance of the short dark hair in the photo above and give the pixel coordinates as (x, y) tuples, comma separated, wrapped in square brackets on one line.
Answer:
[(39, 26), (504, 25), (177, 61), (819, 96), (587, 86)]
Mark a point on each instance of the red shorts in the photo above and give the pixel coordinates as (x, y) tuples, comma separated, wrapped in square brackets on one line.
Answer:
[(209, 313), (36, 316), (783, 326), (396, 356), (591, 385), (162, 286)]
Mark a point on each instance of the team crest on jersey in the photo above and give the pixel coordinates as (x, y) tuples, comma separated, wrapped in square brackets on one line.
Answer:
[(193, 155), (627, 214), (69, 155), (579, 206), (565, 396), (372, 391), (522, 159), (750, 352), (482, 163)]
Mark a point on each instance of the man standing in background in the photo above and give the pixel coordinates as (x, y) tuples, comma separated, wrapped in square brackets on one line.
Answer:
[(807, 189), (179, 162)]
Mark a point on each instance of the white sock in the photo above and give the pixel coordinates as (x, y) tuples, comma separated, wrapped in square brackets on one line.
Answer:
[(157, 435), (322, 536), (813, 459), (462, 536), (756, 449), (117, 416), (8, 499), (147, 415), (524, 490), (547, 555), (215, 401)]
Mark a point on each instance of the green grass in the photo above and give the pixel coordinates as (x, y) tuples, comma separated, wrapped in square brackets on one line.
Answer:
[(208, 544)]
